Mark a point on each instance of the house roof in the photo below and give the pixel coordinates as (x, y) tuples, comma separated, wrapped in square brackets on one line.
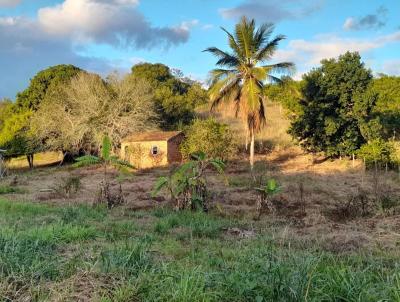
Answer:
[(151, 136)]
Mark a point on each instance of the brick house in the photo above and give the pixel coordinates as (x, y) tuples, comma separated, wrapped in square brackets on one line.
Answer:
[(152, 149)]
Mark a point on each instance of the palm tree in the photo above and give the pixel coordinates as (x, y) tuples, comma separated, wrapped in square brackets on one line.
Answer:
[(242, 73)]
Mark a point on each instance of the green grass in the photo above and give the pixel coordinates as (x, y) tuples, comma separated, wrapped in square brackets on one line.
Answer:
[(161, 255)]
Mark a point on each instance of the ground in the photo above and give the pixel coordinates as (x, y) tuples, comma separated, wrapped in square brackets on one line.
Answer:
[(333, 234)]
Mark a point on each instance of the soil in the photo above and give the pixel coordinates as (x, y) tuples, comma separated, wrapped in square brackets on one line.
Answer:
[(312, 205)]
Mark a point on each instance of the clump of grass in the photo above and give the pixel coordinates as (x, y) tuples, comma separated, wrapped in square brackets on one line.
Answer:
[(4, 189), (129, 259)]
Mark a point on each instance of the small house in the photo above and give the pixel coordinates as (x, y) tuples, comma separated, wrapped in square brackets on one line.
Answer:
[(152, 149)]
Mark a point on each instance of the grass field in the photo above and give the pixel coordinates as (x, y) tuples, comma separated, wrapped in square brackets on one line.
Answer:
[(80, 253)]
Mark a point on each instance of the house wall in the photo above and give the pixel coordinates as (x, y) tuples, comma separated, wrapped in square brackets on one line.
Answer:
[(139, 154), (174, 154)]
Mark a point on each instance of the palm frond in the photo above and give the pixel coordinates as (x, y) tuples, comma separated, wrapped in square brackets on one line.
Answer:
[(224, 90), (225, 59), (234, 45), (268, 50), (262, 35), (283, 67)]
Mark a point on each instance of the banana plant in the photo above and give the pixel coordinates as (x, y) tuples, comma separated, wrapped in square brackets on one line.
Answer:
[(187, 185), (106, 159), (265, 192)]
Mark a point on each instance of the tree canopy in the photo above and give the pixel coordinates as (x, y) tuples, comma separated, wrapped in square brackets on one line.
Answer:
[(176, 97), (44, 81), (336, 107), (78, 116)]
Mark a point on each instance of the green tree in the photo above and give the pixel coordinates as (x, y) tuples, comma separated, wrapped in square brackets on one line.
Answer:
[(242, 73), (287, 93), (336, 106), (43, 82), (176, 97), (388, 104)]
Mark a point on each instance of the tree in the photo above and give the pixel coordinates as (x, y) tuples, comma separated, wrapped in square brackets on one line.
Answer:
[(16, 134), (176, 97), (388, 104), (336, 106), (76, 117), (287, 93), (243, 73), (43, 82)]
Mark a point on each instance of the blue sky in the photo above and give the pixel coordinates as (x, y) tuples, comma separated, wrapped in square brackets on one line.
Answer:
[(106, 35)]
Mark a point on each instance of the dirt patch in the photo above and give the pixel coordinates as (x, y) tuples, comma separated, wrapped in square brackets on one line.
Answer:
[(311, 191)]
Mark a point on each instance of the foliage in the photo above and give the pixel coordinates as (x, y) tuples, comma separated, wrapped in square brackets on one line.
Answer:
[(288, 94), (45, 81), (210, 137), (242, 73), (387, 106), (188, 184), (196, 260), (16, 134), (335, 106), (106, 160), (76, 118), (377, 152), (266, 191), (175, 97)]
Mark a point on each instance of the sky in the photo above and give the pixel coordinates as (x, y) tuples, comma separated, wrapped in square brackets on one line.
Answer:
[(112, 35)]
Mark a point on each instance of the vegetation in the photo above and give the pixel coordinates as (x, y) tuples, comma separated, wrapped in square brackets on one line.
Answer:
[(175, 96), (335, 107), (71, 252), (210, 137), (106, 160), (75, 118), (187, 185), (241, 78)]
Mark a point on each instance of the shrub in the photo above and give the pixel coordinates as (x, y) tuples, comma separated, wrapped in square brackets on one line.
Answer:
[(377, 153), (209, 136)]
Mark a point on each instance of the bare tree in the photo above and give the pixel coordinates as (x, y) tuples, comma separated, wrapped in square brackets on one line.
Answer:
[(77, 116)]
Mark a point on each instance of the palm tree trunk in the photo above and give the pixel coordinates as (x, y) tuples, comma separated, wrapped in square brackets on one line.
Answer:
[(252, 149)]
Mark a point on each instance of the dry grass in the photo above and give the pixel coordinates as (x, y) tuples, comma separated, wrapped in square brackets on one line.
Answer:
[(40, 159)]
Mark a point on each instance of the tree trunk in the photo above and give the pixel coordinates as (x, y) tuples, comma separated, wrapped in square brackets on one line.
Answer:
[(252, 149), (29, 158), (247, 139)]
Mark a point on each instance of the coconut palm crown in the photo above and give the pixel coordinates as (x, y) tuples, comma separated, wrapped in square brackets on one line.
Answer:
[(243, 71)]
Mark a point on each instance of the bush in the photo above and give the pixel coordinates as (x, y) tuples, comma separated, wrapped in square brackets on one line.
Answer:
[(377, 153), (209, 136)]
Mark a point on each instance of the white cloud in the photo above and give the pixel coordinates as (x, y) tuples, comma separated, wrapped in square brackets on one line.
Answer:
[(60, 34), (114, 22), (307, 54), (9, 3)]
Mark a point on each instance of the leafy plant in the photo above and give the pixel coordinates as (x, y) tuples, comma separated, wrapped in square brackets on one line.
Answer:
[(265, 192), (106, 160), (187, 185), (210, 137)]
